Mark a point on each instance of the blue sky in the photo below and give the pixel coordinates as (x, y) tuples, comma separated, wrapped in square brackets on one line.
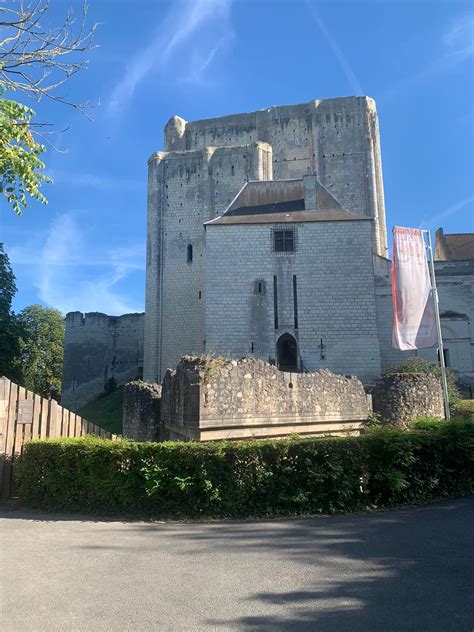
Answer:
[(85, 250)]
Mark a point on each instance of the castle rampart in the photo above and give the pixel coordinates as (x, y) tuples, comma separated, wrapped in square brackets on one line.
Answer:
[(99, 351)]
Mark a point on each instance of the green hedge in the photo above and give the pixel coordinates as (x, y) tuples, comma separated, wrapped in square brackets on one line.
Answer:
[(379, 468)]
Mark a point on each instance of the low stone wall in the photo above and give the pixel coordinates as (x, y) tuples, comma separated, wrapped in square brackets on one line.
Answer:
[(215, 398), (402, 397), (141, 411)]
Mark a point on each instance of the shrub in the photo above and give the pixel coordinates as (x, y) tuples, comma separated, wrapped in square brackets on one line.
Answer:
[(293, 476), (419, 365), (425, 423), (465, 409)]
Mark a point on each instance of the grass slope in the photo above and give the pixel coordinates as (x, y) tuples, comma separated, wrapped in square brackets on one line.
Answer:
[(106, 411), (465, 409)]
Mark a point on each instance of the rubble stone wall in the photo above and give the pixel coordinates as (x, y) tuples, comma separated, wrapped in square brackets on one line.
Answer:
[(141, 411), (401, 398), (216, 398)]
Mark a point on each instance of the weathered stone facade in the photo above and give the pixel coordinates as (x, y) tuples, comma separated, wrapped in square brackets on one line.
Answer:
[(216, 282), (402, 398), (455, 281), (215, 398), (142, 411), (98, 349), (322, 294), (206, 163)]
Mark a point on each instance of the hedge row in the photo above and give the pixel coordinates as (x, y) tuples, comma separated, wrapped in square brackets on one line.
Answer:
[(379, 468)]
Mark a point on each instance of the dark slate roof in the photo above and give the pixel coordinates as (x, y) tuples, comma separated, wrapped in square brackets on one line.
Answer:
[(281, 201)]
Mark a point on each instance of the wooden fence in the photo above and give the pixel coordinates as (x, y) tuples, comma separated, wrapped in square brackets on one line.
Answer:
[(25, 416)]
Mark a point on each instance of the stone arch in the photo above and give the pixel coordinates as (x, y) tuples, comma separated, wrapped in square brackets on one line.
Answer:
[(287, 353)]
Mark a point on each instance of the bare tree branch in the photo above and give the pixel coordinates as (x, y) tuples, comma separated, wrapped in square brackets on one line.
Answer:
[(37, 59)]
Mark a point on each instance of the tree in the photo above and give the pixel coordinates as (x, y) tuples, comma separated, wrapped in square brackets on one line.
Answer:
[(35, 60), (20, 164), (41, 349), (9, 344)]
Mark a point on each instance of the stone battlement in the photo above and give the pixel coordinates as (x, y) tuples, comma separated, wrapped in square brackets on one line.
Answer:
[(99, 351)]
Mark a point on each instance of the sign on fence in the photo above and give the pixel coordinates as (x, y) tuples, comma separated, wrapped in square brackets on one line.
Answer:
[(25, 412)]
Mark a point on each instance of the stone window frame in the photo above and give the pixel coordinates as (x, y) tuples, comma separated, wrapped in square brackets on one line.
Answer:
[(284, 227), (260, 286)]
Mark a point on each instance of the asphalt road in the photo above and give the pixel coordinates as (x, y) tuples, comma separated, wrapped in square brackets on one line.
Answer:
[(410, 569)]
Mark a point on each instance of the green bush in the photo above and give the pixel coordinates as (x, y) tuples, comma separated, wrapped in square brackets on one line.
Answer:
[(426, 423), (382, 467), (465, 409)]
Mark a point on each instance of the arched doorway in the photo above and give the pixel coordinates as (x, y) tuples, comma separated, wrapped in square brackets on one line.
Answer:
[(287, 353)]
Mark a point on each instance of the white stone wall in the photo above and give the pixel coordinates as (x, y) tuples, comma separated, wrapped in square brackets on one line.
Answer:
[(455, 281), (336, 296)]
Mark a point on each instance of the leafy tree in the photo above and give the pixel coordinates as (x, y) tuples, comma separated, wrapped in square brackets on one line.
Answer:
[(9, 345), (41, 349), (35, 60), (20, 164)]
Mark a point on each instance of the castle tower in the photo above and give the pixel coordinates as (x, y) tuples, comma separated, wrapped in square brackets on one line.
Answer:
[(204, 166)]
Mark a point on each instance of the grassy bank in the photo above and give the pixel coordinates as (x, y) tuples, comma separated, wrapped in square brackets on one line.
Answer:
[(106, 411)]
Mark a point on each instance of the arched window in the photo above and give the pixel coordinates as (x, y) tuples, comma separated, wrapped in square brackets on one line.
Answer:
[(287, 353), (190, 253)]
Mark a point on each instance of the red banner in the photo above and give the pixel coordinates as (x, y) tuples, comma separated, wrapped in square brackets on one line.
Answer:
[(414, 321)]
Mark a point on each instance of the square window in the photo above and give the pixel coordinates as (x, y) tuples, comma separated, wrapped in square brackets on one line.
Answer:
[(284, 240)]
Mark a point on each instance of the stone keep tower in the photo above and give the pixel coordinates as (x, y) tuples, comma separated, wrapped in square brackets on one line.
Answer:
[(204, 166)]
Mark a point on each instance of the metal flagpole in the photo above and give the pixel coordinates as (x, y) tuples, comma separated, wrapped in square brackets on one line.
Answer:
[(434, 291)]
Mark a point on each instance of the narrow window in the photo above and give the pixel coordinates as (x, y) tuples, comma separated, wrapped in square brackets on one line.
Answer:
[(284, 240), (232, 170), (295, 301), (259, 287), (190, 253), (200, 295), (446, 357), (275, 301)]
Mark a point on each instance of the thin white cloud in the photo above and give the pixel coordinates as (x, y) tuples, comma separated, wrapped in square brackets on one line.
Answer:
[(191, 28), (432, 221), (96, 181), (458, 39), (346, 68), (198, 65), (457, 46), (71, 278)]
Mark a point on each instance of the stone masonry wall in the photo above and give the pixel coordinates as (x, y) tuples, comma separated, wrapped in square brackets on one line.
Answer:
[(337, 139), (335, 295), (97, 348), (215, 398), (455, 281), (186, 189), (141, 411), (401, 398), (204, 166)]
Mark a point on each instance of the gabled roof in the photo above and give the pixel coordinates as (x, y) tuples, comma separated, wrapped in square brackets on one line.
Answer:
[(282, 201)]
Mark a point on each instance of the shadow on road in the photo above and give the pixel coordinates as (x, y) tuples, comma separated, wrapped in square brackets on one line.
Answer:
[(406, 569)]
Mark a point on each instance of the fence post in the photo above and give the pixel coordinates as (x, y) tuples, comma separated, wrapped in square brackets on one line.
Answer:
[(4, 396), (53, 419)]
